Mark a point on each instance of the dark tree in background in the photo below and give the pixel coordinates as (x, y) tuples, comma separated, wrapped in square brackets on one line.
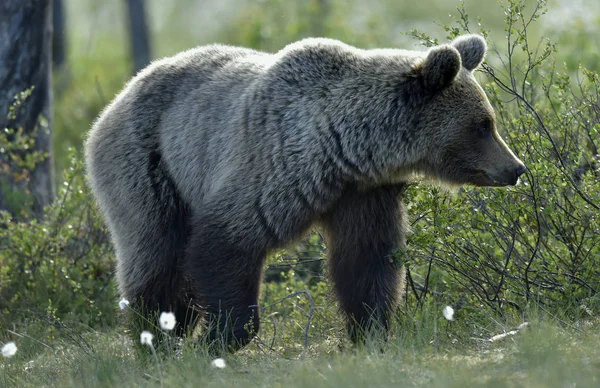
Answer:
[(61, 73), (59, 34), (138, 33), (25, 62)]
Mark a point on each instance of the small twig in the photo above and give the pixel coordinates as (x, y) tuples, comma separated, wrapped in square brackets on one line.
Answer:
[(149, 376), (412, 285), (260, 340), (30, 337), (158, 363), (68, 332), (274, 331), (99, 91), (310, 314), (499, 337)]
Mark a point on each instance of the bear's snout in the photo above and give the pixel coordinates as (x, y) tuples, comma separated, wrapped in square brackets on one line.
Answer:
[(510, 177), (521, 170)]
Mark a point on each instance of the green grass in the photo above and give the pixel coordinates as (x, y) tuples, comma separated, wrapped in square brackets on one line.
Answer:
[(439, 354)]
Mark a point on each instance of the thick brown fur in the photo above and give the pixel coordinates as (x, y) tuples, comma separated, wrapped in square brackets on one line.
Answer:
[(208, 160)]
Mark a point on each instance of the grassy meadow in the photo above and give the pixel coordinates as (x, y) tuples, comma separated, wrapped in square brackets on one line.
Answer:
[(433, 353), (501, 258)]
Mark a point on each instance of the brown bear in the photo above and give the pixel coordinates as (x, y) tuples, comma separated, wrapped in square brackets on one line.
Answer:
[(210, 159)]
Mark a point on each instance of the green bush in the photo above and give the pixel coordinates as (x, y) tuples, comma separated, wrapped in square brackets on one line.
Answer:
[(539, 242), (58, 267)]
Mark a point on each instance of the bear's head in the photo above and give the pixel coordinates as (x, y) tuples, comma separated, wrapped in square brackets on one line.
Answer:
[(456, 123)]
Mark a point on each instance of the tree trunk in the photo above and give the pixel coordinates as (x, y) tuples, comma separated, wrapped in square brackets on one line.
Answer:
[(138, 33), (62, 74), (59, 35), (25, 62)]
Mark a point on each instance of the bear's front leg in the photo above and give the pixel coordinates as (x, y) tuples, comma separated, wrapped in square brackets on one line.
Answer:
[(362, 231), (225, 272)]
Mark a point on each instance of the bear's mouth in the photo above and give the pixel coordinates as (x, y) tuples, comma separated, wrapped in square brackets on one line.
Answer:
[(484, 179), (477, 177)]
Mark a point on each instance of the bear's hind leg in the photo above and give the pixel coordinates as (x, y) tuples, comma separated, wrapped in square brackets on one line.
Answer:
[(149, 225), (362, 232), (149, 269)]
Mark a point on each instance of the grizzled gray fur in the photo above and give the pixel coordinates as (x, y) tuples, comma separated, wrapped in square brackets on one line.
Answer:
[(210, 159)]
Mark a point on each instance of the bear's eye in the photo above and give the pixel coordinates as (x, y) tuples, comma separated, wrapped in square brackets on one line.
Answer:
[(484, 129)]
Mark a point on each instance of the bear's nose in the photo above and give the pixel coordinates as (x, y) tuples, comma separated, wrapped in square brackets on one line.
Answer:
[(520, 170)]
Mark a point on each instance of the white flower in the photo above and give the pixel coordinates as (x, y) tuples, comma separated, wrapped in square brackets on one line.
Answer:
[(448, 313), (146, 338), (218, 363), (123, 303), (9, 349), (167, 321)]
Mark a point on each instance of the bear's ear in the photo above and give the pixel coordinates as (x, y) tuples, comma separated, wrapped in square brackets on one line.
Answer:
[(440, 67), (472, 50)]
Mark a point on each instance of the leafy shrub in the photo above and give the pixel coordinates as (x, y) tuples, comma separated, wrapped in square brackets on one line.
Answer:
[(538, 242), (60, 266)]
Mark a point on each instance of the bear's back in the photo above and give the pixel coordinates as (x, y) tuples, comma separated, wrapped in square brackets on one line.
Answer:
[(197, 135), (160, 109), (168, 85)]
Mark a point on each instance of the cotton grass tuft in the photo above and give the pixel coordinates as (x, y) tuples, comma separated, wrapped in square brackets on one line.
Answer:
[(167, 321), (218, 363), (448, 313), (123, 303), (9, 349), (146, 338)]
